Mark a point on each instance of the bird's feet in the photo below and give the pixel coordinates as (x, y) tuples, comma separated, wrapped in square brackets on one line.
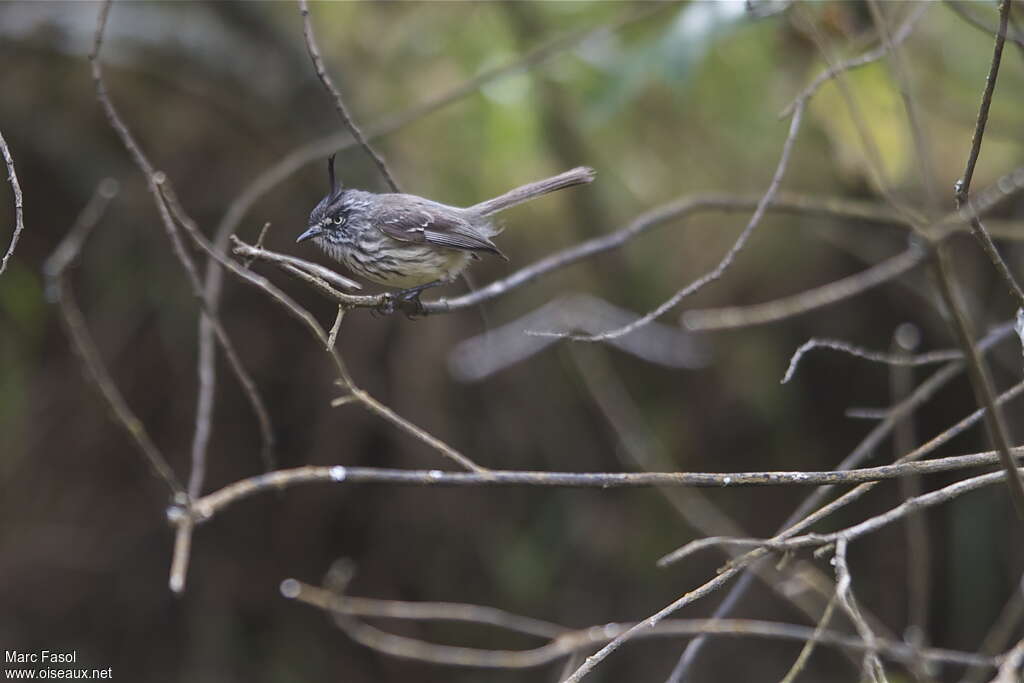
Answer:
[(406, 300), (385, 307)]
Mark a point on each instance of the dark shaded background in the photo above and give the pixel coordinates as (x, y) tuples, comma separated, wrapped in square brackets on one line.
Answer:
[(683, 102)]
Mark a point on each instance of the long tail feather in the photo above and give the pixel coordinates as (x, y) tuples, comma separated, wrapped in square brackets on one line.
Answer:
[(577, 176)]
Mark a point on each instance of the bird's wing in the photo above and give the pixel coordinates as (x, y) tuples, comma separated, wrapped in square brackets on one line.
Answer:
[(424, 224)]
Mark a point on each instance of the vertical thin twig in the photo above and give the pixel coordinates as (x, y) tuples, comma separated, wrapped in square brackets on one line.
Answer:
[(332, 338), (339, 103), (19, 218), (962, 189), (844, 589), (963, 186), (181, 554)]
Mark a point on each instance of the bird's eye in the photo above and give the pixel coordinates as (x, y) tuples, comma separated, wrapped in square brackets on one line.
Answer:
[(339, 220)]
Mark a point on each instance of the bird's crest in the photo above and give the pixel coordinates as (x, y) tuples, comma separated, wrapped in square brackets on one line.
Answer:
[(333, 180)]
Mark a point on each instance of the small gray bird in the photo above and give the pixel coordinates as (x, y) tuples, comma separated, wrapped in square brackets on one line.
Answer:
[(405, 241)]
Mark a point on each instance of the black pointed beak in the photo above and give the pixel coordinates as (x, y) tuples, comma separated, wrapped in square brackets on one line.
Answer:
[(311, 232)]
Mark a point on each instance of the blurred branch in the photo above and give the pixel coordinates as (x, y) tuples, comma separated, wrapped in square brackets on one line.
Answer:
[(566, 641), (19, 218), (481, 356), (58, 287), (809, 300), (339, 103)]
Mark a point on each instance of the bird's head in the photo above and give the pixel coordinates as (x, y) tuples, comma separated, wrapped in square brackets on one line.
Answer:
[(330, 214)]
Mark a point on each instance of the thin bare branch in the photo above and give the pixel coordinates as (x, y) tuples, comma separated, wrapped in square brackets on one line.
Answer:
[(339, 103), (337, 474), (19, 218), (182, 553), (335, 601), (963, 185), (258, 253), (894, 359), (808, 648), (871, 524)]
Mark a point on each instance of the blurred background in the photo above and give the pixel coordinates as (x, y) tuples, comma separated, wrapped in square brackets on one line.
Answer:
[(665, 102)]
